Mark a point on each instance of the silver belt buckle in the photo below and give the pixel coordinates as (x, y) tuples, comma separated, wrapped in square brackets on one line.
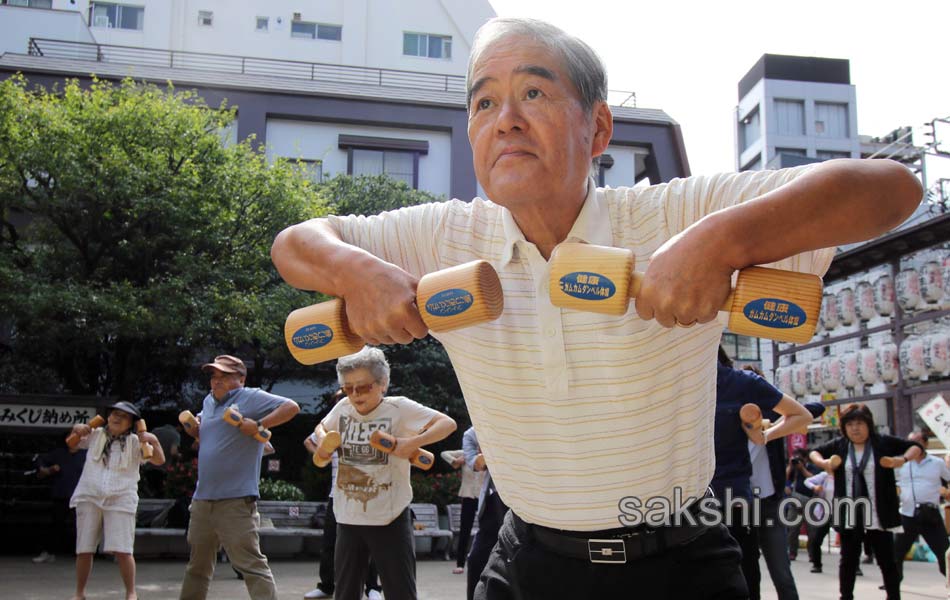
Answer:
[(610, 551)]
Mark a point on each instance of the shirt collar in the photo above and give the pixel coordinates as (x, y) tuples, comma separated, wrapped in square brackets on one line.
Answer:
[(592, 225)]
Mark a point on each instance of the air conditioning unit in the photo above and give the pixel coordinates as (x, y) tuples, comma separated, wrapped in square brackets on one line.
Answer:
[(102, 21), (297, 17)]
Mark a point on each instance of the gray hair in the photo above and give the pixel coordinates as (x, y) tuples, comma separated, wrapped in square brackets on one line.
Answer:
[(584, 68), (369, 358)]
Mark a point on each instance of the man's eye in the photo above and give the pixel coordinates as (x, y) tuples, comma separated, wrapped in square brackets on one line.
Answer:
[(533, 93), (483, 104)]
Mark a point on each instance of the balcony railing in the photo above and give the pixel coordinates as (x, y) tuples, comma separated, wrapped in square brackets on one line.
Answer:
[(246, 65)]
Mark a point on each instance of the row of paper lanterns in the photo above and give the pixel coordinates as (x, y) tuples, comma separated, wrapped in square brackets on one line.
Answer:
[(912, 289), (918, 357)]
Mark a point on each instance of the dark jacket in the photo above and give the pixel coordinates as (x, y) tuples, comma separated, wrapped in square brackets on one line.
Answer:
[(885, 487)]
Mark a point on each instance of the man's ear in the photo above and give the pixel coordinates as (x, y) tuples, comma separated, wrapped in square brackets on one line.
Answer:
[(603, 128)]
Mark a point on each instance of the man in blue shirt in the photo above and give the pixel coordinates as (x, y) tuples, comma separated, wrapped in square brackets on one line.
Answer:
[(224, 507)]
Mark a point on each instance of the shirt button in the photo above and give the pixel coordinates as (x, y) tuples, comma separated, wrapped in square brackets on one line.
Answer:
[(552, 332)]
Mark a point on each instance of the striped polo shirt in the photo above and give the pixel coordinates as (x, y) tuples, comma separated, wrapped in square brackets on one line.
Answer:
[(576, 411)]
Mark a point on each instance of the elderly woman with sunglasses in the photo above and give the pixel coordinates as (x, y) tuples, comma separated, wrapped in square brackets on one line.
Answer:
[(865, 473), (372, 494)]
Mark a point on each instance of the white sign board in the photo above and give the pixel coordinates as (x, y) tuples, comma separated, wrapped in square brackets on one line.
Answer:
[(936, 414), (44, 415)]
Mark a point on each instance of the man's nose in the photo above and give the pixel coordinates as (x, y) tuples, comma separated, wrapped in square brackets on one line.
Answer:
[(510, 117)]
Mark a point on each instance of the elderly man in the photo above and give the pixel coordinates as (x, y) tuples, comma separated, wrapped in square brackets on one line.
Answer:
[(224, 507), (584, 417), (919, 481)]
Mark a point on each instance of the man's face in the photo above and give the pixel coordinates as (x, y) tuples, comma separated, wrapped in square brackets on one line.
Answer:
[(222, 383), (531, 138)]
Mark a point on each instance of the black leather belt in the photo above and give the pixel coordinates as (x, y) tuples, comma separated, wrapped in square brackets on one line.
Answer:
[(616, 546)]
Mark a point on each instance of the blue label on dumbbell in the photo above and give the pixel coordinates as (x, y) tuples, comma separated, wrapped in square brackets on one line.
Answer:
[(775, 313), (423, 459), (587, 286), (386, 443), (311, 337), (449, 302)]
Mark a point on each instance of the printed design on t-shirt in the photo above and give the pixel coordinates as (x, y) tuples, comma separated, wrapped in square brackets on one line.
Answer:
[(355, 441), (358, 485)]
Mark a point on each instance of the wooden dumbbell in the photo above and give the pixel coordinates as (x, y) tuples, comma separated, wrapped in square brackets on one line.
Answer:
[(72, 439), (461, 296), (147, 450), (234, 417), (189, 421), (387, 443), (331, 441), (767, 303)]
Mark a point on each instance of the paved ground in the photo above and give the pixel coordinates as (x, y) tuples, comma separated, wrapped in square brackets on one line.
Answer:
[(160, 580)]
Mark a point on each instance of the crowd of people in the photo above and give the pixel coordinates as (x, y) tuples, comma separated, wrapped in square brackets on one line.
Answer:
[(582, 419)]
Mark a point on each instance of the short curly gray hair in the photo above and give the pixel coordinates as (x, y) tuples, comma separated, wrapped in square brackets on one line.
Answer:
[(369, 358)]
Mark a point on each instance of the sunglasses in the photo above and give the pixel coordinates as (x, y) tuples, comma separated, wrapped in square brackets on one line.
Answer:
[(350, 390)]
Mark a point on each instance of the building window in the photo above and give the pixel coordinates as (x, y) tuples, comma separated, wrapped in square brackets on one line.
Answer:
[(831, 120), (261, 24), (116, 16), (205, 18), (791, 151), (829, 154), (396, 158), (427, 45), (29, 3), (789, 117), (749, 129), (741, 347), (753, 165), (316, 31), (311, 169)]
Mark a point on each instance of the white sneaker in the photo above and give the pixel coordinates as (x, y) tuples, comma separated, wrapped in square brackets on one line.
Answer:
[(317, 593), (374, 595), (44, 557)]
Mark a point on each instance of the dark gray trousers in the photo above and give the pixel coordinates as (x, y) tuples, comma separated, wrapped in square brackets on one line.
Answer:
[(392, 548)]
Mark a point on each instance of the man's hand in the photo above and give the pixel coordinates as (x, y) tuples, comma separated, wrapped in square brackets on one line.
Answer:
[(687, 279), (817, 490), (382, 308), (248, 427), (458, 462)]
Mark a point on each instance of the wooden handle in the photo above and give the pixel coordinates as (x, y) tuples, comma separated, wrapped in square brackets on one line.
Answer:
[(331, 441), (768, 303), (72, 439), (385, 442), (188, 420), (147, 450), (751, 416), (460, 296)]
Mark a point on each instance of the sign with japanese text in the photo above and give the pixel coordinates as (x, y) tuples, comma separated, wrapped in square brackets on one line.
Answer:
[(936, 414), (44, 415)]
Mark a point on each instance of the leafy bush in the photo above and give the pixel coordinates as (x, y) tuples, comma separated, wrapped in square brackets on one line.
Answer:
[(275, 489), (181, 478), (440, 489)]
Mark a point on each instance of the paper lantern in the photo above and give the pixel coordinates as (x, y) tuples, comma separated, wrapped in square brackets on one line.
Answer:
[(865, 301), (888, 362), (931, 282), (799, 378), (831, 378), (849, 370), (937, 352), (813, 377), (884, 295), (847, 312), (829, 311), (868, 369), (783, 380), (913, 365), (908, 289)]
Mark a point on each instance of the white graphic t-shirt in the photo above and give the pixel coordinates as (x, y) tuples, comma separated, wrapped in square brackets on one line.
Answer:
[(372, 487)]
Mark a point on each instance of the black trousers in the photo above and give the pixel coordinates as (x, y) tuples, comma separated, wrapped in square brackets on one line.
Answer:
[(327, 551), (935, 536), (469, 508), (489, 523), (706, 568), (816, 536), (392, 548), (882, 543)]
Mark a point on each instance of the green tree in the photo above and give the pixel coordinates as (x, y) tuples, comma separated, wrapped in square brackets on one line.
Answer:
[(135, 242)]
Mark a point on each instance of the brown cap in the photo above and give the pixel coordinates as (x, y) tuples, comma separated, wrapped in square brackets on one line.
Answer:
[(226, 364)]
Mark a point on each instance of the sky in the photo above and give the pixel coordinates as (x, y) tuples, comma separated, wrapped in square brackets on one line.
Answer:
[(687, 58)]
